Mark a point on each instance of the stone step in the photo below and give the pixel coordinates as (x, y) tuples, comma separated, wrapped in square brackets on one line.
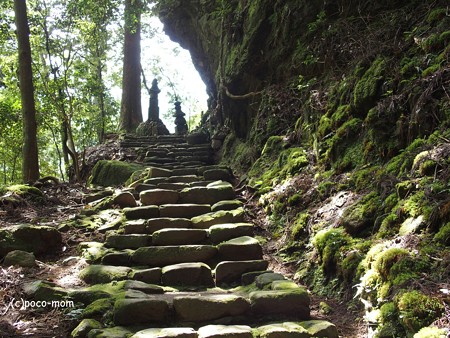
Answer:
[(187, 275), (149, 226), (230, 272), (183, 210), (240, 249), (157, 256), (174, 236), (127, 241), (302, 329)]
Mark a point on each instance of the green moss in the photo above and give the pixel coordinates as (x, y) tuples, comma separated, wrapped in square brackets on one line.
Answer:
[(389, 325), (386, 260), (360, 217), (443, 235), (295, 199), (98, 308), (26, 191), (431, 332), (328, 244), (342, 114), (366, 89), (418, 310), (300, 223), (437, 14), (325, 188), (389, 226), (112, 173)]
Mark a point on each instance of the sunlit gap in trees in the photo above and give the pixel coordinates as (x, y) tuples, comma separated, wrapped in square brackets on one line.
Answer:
[(171, 65)]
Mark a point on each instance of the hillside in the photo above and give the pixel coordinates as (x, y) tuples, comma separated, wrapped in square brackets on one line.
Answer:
[(336, 116)]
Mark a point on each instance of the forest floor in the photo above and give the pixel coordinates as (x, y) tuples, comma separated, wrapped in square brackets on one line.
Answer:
[(62, 202)]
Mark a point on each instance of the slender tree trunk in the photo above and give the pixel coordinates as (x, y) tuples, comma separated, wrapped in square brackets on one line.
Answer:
[(131, 110), (30, 167)]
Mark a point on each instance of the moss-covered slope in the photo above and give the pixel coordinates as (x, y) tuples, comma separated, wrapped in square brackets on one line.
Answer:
[(344, 137)]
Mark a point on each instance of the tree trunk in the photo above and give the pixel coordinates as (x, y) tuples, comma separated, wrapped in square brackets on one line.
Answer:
[(30, 167), (131, 110)]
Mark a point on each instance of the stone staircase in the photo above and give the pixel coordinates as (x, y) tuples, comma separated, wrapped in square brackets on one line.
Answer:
[(182, 261)]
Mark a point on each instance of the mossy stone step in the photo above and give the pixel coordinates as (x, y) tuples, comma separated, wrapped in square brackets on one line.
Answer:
[(223, 232), (150, 211), (159, 197), (281, 303), (140, 187), (209, 307), (149, 275), (149, 226), (128, 241), (155, 256), (117, 258), (227, 205), (207, 220), (185, 171), (229, 272), (183, 179), (141, 311), (173, 186), (183, 210), (176, 236), (96, 274), (225, 331), (240, 249), (187, 274), (207, 195), (171, 332), (218, 174)]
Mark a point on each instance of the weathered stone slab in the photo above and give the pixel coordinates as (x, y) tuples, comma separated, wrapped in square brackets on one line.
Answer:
[(225, 331), (151, 276), (240, 249), (149, 211), (124, 200), (185, 171), (158, 172), (170, 332), (209, 307), (290, 303), (187, 274), (96, 274), (156, 180), (168, 255), (143, 186), (129, 241), (267, 278), (173, 186), (249, 277), (134, 226), (158, 197), (217, 174), (231, 271), (111, 332), (183, 210), (283, 330), (140, 311), (283, 285), (179, 236), (207, 195), (184, 179), (320, 328), (223, 232), (117, 258), (219, 217), (227, 205), (146, 288), (156, 224)]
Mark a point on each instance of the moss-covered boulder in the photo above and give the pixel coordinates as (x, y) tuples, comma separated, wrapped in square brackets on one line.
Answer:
[(20, 258), (140, 311), (38, 239), (44, 291), (320, 328), (112, 173)]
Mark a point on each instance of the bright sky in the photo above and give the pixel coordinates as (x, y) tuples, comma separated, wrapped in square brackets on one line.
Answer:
[(165, 59)]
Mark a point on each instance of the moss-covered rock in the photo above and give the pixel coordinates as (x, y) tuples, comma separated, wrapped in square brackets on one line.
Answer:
[(86, 325), (112, 173)]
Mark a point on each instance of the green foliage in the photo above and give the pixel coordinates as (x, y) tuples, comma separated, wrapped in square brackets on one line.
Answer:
[(431, 332), (300, 223)]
